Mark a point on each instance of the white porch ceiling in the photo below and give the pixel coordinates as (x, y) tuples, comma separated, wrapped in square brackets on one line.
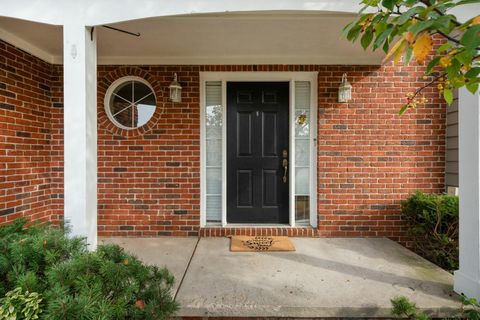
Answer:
[(311, 37)]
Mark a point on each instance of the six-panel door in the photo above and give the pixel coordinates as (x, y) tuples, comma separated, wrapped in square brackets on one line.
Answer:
[(257, 148)]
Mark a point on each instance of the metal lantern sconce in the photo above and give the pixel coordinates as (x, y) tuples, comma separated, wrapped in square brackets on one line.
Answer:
[(345, 90), (175, 90)]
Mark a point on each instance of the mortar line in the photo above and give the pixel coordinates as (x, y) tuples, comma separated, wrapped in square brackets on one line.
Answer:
[(186, 269)]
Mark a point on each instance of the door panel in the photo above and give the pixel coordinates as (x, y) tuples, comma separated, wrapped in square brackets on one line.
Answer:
[(244, 134), (257, 135), (269, 140)]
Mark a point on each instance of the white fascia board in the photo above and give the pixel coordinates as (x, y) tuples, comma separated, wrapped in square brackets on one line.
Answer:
[(98, 12), (150, 8), (240, 60)]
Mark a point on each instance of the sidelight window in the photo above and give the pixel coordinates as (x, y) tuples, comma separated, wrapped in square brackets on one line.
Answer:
[(302, 152), (213, 140)]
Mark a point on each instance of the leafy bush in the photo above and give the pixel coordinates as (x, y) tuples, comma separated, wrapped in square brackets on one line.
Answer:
[(433, 224), (472, 309), (404, 308), (20, 305), (76, 284)]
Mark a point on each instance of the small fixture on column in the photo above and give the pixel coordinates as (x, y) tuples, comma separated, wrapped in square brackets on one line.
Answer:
[(175, 90), (345, 90)]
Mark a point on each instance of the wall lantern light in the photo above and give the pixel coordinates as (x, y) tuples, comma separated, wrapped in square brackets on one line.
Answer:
[(175, 90), (345, 90)]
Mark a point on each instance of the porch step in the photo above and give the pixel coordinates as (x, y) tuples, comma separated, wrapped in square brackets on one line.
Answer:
[(324, 278)]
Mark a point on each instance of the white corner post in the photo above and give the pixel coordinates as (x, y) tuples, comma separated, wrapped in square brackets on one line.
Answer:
[(467, 278), (80, 131)]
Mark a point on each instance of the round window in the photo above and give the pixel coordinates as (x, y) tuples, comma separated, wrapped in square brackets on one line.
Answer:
[(130, 102)]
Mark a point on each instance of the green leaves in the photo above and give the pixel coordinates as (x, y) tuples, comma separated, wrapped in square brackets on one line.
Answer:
[(411, 29), (472, 73), (403, 307), (389, 4), (408, 15), (420, 26), (471, 38), (433, 218), (403, 109), (467, 2), (448, 95), (366, 38), (432, 65), (382, 37), (444, 47), (472, 87)]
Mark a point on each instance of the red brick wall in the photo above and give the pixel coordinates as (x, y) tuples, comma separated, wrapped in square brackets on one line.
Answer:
[(369, 158), (56, 144), (25, 136), (149, 179)]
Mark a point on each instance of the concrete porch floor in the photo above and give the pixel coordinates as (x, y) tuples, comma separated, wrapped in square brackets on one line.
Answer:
[(323, 278)]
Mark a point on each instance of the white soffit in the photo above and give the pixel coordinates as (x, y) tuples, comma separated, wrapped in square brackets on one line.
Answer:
[(301, 37), (42, 40)]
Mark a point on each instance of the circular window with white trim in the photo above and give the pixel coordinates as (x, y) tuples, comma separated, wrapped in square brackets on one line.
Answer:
[(130, 102)]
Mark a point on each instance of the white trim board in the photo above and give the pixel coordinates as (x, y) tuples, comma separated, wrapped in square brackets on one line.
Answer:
[(290, 77)]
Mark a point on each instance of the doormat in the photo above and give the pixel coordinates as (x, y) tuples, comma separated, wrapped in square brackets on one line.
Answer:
[(260, 244)]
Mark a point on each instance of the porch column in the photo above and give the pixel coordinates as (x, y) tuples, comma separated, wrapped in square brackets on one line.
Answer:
[(467, 278), (80, 131)]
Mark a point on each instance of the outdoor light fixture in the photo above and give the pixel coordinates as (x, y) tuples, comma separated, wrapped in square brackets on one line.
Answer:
[(345, 90), (175, 90)]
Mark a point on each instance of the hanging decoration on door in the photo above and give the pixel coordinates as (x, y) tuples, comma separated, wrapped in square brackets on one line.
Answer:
[(302, 119)]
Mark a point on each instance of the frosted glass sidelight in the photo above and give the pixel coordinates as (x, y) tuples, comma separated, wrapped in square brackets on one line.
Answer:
[(302, 95), (213, 150), (302, 209), (214, 208), (302, 152), (214, 181), (302, 181)]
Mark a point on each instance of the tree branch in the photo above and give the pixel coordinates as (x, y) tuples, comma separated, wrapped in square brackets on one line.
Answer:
[(428, 4), (435, 79), (446, 36)]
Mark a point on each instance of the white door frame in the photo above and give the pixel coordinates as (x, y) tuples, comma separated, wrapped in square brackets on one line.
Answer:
[(273, 76)]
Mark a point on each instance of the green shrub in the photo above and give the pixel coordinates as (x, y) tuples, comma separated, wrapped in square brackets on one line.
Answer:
[(19, 305), (402, 307), (76, 284), (433, 225)]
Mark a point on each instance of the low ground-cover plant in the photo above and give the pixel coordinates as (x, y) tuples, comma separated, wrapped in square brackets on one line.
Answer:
[(432, 221), (77, 284), (404, 308), (20, 305)]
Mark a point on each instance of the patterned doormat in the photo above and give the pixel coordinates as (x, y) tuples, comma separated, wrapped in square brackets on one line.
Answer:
[(260, 244)]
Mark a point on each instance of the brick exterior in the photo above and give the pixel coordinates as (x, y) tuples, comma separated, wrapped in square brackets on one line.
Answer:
[(26, 135), (369, 158)]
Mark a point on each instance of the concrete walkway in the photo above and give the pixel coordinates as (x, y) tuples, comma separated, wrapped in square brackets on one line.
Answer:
[(323, 278)]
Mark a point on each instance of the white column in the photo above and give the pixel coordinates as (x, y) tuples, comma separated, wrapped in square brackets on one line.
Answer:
[(80, 131), (467, 278)]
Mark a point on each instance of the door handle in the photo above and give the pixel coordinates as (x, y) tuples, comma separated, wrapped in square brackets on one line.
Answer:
[(285, 170), (285, 165)]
